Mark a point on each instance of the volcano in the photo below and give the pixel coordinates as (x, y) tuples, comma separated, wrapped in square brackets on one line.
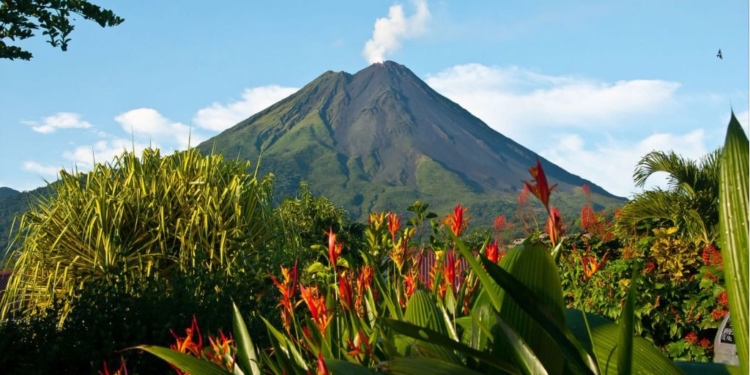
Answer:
[(380, 139)]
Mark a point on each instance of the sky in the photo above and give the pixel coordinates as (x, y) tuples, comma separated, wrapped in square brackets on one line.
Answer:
[(591, 86)]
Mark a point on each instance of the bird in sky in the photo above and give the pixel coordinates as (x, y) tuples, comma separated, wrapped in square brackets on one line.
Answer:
[(719, 55)]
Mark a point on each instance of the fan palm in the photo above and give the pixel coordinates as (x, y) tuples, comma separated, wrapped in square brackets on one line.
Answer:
[(690, 202), (137, 217)]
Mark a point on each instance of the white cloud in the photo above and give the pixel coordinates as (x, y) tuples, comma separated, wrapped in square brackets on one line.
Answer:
[(219, 116), (104, 151), (511, 100), (46, 171), (149, 123), (610, 164), (60, 120), (389, 32)]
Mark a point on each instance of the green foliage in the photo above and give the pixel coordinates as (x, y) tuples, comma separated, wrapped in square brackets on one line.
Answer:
[(735, 223), (138, 217), (690, 203), (20, 18), (110, 316)]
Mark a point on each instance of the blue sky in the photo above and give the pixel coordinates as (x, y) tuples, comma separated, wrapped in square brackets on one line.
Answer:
[(592, 86)]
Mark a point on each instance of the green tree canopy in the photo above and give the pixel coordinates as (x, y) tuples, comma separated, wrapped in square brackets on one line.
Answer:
[(690, 202), (19, 19)]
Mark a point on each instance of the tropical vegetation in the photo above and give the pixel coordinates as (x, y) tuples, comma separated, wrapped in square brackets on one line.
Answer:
[(100, 285)]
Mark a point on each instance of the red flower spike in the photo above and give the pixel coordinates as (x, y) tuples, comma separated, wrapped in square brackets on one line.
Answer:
[(554, 226), (394, 224), (456, 221), (334, 248), (586, 190), (499, 223), (492, 252), (316, 303), (322, 369), (540, 187), (345, 293), (705, 344), (722, 299), (122, 370), (287, 289)]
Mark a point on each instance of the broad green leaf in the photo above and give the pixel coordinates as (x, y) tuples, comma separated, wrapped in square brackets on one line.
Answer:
[(521, 353), (428, 335), (422, 311), (184, 362), (627, 321), (535, 268), (246, 355), (733, 225), (540, 312), (647, 359), (425, 365), (337, 366)]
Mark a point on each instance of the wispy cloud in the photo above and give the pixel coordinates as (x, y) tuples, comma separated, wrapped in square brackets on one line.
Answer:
[(219, 117), (149, 123), (610, 163), (587, 125), (389, 32), (83, 158), (60, 120), (48, 172), (510, 99)]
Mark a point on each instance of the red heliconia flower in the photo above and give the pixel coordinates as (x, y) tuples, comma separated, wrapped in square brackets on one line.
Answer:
[(122, 370), (222, 352), (345, 292), (691, 338), (410, 283), (363, 283), (450, 271), (322, 369), (316, 303), (189, 345), (554, 226), (287, 288), (492, 252), (456, 221), (334, 248), (499, 223), (394, 224), (357, 349), (590, 264), (589, 221), (540, 188)]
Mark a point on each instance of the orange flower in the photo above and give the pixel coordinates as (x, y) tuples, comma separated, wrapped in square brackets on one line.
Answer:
[(188, 345), (356, 348), (540, 187), (554, 225), (316, 303), (122, 370), (345, 292), (222, 351), (493, 252), (718, 314), (589, 263), (499, 223), (456, 221), (722, 299), (705, 343), (287, 289), (394, 224), (334, 248), (410, 283)]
